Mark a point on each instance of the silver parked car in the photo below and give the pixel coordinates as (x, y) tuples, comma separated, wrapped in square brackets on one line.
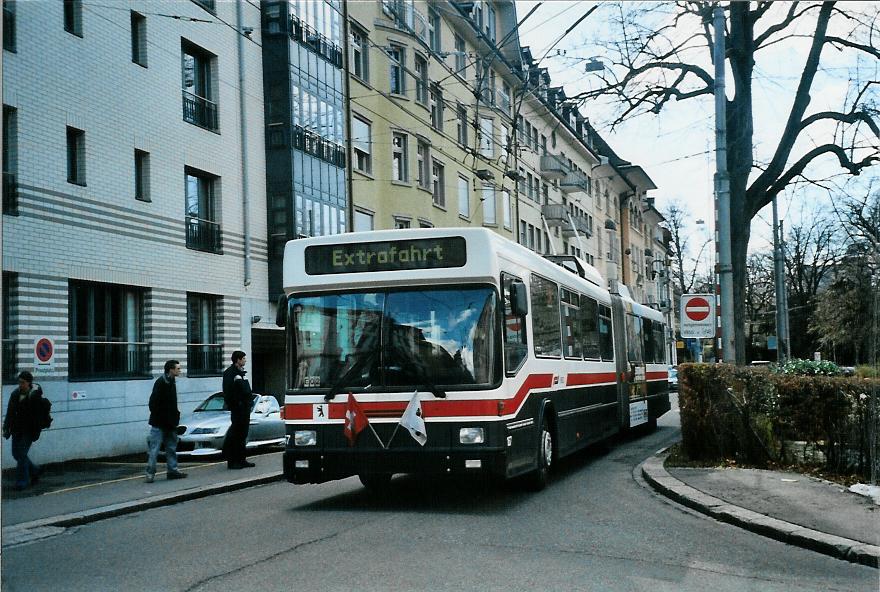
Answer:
[(207, 425)]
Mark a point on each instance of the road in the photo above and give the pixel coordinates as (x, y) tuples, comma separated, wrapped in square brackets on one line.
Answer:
[(596, 527)]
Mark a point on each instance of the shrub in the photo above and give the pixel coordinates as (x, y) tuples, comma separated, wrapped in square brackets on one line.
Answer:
[(809, 368), (756, 416)]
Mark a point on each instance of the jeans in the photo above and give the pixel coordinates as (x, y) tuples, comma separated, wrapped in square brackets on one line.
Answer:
[(21, 444), (159, 436)]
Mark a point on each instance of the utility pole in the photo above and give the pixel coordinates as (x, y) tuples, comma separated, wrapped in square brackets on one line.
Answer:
[(722, 195), (782, 351)]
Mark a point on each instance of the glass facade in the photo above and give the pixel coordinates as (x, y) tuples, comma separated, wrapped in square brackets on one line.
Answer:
[(304, 111)]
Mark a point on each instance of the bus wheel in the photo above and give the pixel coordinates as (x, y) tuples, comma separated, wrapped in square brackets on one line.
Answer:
[(537, 480), (376, 482)]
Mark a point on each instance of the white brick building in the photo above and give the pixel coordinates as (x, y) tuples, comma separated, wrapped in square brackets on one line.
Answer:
[(129, 237)]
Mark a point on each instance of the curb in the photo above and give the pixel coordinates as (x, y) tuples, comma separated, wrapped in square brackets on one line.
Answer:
[(839, 547), (24, 531)]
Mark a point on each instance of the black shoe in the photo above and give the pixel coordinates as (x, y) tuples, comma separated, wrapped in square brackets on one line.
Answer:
[(234, 466), (246, 464), (176, 475)]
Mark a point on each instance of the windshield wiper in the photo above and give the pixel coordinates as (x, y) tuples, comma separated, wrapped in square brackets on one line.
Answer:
[(356, 367)]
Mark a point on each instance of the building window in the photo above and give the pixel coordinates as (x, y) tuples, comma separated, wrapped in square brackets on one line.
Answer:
[(138, 39), (360, 53), (505, 204), (73, 17), (10, 160), (396, 62), (363, 221), (202, 229), (199, 105), (206, 4), (462, 125), (76, 156), (423, 163), (436, 108), (360, 142), (438, 180), (141, 175), (490, 23), (460, 55), (10, 366), (487, 141), (434, 29), (401, 223), (398, 158), (9, 25), (464, 198), (204, 355), (488, 199), (421, 76), (107, 332)]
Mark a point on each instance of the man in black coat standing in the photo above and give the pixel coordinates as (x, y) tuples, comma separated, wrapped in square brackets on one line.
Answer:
[(22, 424), (238, 396), (164, 417)]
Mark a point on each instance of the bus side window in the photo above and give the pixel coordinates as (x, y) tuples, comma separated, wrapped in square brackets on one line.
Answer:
[(634, 338), (659, 343), (515, 341), (590, 328), (545, 318), (606, 339), (648, 340), (571, 327)]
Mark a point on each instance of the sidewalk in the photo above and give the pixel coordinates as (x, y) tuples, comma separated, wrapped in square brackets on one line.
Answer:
[(789, 507), (79, 492)]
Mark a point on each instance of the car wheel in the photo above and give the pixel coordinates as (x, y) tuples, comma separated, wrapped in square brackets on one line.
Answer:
[(537, 479), (376, 482)]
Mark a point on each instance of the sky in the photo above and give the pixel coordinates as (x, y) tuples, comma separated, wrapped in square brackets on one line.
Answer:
[(676, 148)]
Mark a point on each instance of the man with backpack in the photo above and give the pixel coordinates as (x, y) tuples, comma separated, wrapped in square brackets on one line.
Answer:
[(26, 416)]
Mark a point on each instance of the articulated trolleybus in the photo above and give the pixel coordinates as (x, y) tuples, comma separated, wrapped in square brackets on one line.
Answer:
[(456, 351)]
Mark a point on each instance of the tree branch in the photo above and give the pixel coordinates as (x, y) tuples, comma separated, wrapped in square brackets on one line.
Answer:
[(850, 117), (870, 50)]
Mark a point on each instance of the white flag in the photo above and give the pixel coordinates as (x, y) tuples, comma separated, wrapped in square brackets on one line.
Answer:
[(413, 420)]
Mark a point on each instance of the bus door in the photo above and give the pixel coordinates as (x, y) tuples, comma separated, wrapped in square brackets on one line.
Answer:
[(632, 386)]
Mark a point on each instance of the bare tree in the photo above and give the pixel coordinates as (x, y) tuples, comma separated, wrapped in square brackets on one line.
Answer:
[(660, 52), (685, 268), (760, 302)]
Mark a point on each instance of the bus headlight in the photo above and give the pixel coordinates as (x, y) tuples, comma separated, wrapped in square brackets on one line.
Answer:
[(305, 438), (471, 435)]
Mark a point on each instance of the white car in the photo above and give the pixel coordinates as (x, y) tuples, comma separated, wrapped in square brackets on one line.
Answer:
[(204, 430)]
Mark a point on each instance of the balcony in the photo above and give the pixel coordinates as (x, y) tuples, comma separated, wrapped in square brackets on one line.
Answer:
[(103, 360), (204, 359), (407, 17), (574, 182), (199, 111), (10, 194), (553, 167), (203, 235), (558, 215), (306, 35)]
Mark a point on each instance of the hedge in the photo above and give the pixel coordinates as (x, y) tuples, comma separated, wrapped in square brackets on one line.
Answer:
[(758, 417)]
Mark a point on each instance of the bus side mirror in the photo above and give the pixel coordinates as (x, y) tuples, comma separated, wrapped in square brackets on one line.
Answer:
[(519, 303), (281, 313)]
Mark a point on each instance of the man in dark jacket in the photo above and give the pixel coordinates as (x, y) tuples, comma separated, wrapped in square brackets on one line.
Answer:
[(238, 396), (22, 423), (164, 417)]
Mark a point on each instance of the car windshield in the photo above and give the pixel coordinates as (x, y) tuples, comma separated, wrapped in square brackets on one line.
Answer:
[(216, 402), (403, 338)]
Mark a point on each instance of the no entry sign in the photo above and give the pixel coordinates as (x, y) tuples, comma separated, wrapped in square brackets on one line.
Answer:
[(698, 316)]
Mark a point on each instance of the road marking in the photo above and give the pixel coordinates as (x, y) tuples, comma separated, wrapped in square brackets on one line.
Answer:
[(140, 476)]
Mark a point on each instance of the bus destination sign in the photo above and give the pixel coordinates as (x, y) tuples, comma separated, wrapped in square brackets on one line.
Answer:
[(427, 253)]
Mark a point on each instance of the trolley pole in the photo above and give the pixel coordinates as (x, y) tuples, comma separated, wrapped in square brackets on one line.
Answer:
[(779, 277), (722, 195)]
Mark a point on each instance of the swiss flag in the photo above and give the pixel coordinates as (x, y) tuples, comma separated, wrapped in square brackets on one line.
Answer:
[(355, 420)]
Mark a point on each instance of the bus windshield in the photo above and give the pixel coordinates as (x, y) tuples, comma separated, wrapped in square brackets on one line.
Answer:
[(408, 338)]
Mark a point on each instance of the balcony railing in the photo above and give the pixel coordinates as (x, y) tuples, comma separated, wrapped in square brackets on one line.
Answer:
[(199, 111), (574, 182), (558, 215), (306, 35), (316, 145), (203, 235), (103, 360), (9, 361), (407, 17), (10, 194), (204, 359), (553, 167)]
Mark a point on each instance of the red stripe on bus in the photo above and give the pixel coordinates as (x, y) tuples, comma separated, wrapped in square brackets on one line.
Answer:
[(595, 378), (656, 375), (431, 408)]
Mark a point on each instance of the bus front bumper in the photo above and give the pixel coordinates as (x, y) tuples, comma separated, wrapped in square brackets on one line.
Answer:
[(318, 466)]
